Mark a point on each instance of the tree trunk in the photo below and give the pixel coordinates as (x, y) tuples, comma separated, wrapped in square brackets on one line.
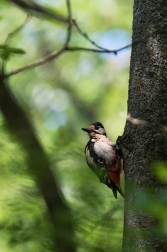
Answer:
[(59, 213), (144, 141)]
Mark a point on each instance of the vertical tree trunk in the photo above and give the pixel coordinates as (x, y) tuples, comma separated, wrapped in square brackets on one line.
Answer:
[(143, 145), (59, 213)]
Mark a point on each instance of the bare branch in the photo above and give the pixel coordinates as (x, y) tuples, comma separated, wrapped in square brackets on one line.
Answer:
[(51, 56), (75, 48), (102, 49), (34, 8), (55, 54), (18, 29), (39, 62), (86, 36)]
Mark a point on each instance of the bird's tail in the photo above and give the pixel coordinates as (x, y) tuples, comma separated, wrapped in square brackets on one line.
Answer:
[(116, 188), (115, 184)]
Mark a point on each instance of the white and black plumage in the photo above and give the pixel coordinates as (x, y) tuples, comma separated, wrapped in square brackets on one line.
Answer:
[(102, 158)]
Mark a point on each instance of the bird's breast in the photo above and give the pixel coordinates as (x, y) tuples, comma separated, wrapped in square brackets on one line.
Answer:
[(104, 150)]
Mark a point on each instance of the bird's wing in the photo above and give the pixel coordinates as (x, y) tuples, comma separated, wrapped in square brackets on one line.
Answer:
[(114, 167)]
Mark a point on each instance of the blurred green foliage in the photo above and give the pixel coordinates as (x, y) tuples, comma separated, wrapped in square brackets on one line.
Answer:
[(60, 97)]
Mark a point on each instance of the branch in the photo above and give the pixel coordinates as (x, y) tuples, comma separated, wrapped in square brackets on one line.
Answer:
[(12, 34), (34, 8), (54, 54), (75, 48), (102, 49), (42, 61), (66, 47), (86, 36)]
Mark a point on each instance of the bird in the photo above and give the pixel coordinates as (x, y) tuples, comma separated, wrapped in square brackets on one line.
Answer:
[(103, 158)]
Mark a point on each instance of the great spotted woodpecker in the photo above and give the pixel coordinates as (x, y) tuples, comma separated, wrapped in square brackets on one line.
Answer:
[(102, 157)]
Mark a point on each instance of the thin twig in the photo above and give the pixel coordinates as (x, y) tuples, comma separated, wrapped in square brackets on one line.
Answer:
[(103, 50), (18, 29), (39, 62), (86, 36), (75, 48), (12, 34)]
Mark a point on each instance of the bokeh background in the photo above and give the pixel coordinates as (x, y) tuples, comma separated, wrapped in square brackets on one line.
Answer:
[(60, 98)]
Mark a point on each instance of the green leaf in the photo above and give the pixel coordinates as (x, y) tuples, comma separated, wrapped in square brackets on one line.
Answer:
[(6, 51), (16, 50)]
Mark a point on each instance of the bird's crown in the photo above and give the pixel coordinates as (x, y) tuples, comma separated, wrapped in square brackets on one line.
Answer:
[(95, 127)]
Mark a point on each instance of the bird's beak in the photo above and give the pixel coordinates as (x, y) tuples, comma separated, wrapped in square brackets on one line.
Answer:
[(86, 129)]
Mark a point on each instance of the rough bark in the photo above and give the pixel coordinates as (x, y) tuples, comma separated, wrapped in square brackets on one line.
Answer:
[(143, 145)]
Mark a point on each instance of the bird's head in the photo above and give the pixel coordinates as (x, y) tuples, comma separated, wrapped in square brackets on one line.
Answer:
[(95, 128)]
